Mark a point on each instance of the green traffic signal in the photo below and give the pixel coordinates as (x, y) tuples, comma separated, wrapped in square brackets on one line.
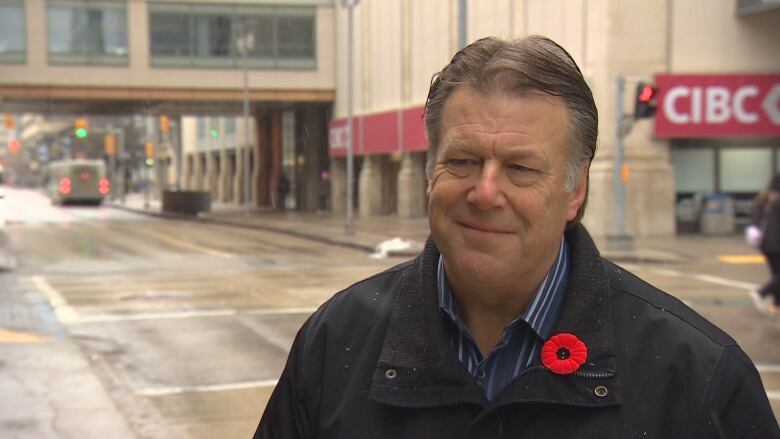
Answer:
[(81, 133), (214, 132)]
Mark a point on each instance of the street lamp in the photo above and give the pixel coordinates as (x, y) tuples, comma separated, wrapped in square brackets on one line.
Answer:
[(245, 42), (349, 226)]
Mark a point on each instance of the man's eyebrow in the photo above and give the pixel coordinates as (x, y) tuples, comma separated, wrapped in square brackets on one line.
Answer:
[(455, 145)]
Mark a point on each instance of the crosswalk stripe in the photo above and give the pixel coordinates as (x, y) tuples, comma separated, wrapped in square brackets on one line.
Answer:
[(162, 391)]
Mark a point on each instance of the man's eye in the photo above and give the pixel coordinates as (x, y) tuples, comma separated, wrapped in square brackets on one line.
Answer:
[(517, 168), (521, 175), (462, 167)]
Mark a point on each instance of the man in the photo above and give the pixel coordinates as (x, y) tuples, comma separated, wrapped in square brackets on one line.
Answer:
[(509, 324)]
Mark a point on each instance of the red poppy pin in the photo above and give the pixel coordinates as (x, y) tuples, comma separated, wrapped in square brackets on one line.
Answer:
[(564, 353)]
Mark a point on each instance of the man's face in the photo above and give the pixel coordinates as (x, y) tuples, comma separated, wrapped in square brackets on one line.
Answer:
[(497, 204)]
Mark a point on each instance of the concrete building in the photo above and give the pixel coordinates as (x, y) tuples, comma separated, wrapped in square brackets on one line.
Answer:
[(400, 44), (182, 62)]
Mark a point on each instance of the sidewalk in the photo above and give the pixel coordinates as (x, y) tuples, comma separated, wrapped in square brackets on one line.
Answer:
[(372, 231)]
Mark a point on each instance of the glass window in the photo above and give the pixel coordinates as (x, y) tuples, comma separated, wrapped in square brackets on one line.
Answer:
[(170, 34), (693, 169), (296, 37), (211, 39), (745, 169), (201, 128), (87, 32), (12, 42), (230, 125), (189, 35)]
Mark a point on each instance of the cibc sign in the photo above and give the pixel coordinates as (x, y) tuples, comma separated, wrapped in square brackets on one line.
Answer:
[(718, 106)]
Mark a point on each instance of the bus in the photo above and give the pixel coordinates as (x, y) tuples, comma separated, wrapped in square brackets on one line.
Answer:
[(77, 181)]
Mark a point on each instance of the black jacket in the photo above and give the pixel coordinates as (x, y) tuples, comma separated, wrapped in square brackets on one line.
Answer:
[(375, 362), (770, 225)]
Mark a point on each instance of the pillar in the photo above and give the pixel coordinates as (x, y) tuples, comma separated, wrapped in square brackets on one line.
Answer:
[(411, 186), (370, 186), (338, 186)]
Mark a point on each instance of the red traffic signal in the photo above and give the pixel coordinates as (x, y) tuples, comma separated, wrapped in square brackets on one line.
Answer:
[(14, 145), (644, 104)]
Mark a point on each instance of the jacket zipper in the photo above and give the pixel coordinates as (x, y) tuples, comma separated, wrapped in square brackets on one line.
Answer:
[(591, 375)]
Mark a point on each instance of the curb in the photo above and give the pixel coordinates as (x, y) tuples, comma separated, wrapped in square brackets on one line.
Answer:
[(312, 237)]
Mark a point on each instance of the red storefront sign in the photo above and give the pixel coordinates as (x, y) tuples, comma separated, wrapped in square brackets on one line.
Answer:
[(718, 106), (380, 133)]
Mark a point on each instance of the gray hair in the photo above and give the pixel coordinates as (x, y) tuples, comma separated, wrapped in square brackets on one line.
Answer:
[(531, 64)]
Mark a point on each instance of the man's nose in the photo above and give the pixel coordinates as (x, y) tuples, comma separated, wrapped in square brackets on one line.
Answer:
[(487, 192)]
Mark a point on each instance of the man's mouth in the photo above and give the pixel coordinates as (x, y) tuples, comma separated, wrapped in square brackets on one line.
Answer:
[(484, 228)]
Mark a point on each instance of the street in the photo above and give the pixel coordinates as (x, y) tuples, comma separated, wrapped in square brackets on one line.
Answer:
[(185, 325), (125, 325)]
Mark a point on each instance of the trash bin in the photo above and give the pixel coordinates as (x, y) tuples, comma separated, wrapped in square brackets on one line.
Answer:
[(717, 216), (185, 202)]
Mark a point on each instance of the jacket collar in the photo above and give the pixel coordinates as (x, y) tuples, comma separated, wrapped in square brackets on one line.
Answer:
[(417, 367)]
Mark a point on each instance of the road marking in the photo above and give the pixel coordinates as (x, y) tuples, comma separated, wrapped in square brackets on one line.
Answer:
[(742, 259), (189, 245), (163, 391), (272, 311), (7, 336), (768, 368), (64, 312), (748, 286), (109, 318)]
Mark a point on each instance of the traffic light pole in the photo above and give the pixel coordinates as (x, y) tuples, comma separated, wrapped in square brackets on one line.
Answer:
[(619, 239)]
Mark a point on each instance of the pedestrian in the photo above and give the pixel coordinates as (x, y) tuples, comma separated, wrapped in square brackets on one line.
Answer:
[(509, 323), (282, 188), (324, 191), (766, 216)]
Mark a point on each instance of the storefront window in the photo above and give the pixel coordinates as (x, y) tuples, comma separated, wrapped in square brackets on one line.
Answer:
[(87, 32), (12, 43), (694, 170), (745, 169)]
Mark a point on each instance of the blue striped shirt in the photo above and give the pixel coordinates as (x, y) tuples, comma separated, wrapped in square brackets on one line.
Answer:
[(521, 340)]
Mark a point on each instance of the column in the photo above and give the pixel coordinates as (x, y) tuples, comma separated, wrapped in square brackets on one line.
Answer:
[(370, 186), (338, 186), (411, 186)]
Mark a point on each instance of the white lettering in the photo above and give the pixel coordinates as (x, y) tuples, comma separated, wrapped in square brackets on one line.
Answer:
[(696, 105), (739, 104), (717, 105), (670, 101)]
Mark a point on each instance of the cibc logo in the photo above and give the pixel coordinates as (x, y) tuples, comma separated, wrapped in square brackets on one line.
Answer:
[(718, 105)]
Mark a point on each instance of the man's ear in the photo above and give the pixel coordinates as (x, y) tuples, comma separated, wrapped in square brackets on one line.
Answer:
[(577, 196)]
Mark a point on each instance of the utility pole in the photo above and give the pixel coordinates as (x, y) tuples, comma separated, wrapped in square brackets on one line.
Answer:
[(462, 24), (349, 226), (619, 239), (246, 42)]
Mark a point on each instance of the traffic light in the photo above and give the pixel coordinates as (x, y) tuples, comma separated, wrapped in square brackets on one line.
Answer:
[(149, 150), (165, 124), (214, 132), (81, 128), (14, 145), (109, 144), (644, 104)]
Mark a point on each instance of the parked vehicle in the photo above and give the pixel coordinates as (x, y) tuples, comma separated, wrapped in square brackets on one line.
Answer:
[(81, 181)]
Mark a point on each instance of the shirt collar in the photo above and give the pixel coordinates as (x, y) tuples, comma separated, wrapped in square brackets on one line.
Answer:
[(541, 313)]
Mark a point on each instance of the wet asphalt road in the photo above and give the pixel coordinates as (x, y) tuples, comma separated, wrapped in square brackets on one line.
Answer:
[(186, 325)]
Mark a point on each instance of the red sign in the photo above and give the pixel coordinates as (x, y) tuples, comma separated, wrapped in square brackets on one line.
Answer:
[(380, 133), (718, 106)]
